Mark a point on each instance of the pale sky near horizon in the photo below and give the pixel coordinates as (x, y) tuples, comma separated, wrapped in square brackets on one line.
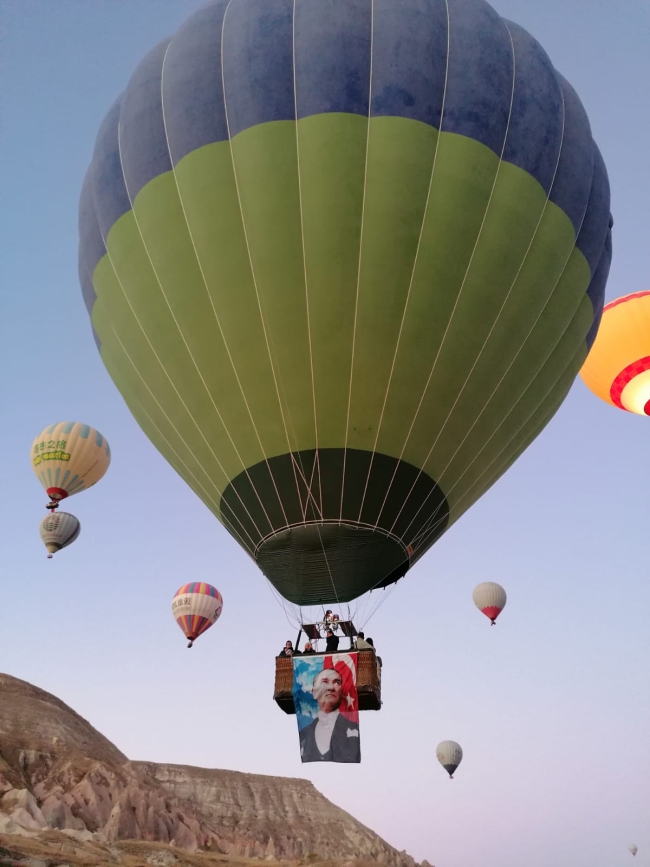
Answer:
[(552, 707)]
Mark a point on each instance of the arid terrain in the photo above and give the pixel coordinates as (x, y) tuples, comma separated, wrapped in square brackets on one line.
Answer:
[(57, 849), (69, 796)]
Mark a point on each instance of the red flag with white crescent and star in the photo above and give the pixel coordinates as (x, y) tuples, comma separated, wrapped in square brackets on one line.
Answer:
[(346, 665)]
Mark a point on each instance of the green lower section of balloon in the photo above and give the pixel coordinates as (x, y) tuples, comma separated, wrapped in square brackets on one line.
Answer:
[(339, 282), (327, 564)]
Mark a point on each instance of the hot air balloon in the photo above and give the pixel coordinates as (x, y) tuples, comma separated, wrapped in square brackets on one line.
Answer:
[(58, 530), (343, 265), (490, 598), (450, 755), (633, 849), (617, 368), (196, 607), (69, 457)]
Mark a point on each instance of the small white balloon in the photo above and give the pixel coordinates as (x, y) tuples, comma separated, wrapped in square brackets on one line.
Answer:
[(490, 598), (58, 530), (633, 849), (450, 755)]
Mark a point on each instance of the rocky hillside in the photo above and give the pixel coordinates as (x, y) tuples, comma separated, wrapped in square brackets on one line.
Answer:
[(58, 772), (57, 849)]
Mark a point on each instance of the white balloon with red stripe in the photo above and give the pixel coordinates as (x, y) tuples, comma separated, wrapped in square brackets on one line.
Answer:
[(490, 599), (196, 607)]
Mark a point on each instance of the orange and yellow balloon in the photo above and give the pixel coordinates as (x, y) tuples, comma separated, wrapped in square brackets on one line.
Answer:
[(69, 457), (617, 368)]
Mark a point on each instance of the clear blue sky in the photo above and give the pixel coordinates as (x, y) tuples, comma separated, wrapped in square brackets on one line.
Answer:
[(552, 707)]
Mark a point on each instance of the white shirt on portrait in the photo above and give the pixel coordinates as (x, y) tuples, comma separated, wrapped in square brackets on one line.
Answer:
[(324, 729)]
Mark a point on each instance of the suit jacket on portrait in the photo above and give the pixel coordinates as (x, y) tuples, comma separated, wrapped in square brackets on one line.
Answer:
[(344, 745)]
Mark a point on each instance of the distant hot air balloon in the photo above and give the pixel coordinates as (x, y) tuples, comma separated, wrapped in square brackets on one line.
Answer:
[(633, 849), (196, 607), (58, 530), (617, 368), (69, 457), (450, 755), (344, 261), (490, 598)]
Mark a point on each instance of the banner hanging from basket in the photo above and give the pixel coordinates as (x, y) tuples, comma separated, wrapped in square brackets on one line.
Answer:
[(327, 707)]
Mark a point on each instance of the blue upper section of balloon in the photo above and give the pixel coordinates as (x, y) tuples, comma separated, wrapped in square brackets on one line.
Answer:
[(453, 64)]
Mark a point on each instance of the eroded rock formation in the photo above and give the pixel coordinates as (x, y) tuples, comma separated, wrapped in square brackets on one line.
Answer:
[(58, 772)]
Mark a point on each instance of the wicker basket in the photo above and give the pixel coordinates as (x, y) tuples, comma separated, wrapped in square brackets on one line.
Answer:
[(368, 682)]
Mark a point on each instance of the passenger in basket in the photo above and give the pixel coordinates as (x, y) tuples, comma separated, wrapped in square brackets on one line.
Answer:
[(332, 643), (307, 649), (372, 644), (362, 644), (287, 650)]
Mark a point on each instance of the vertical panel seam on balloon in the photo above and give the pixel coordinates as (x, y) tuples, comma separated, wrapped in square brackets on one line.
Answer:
[(183, 440), (518, 353), (356, 302), (485, 342), (442, 342), (170, 381), (316, 463), (304, 260), (222, 517), (205, 284), (162, 366), (423, 531), (410, 286), (250, 259), (390, 484), (530, 331), (182, 336), (166, 374), (159, 404), (172, 425), (304, 265), (462, 285)]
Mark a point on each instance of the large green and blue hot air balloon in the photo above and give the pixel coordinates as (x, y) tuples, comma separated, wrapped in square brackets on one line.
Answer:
[(343, 260)]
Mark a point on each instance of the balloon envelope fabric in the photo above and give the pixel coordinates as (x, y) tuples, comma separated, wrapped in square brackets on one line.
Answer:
[(344, 260), (69, 457), (618, 367), (327, 707)]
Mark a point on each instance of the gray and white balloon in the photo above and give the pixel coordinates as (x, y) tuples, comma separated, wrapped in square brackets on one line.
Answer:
[(450, 755), (58, 530)]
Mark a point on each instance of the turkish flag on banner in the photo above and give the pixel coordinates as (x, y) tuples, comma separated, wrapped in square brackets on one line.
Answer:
[(346, 665)]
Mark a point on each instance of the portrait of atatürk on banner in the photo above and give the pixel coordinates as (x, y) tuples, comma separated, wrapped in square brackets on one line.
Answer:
[(327, 707)]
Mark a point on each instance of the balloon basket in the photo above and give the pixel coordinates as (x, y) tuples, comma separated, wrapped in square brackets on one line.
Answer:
[(368, 681)]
